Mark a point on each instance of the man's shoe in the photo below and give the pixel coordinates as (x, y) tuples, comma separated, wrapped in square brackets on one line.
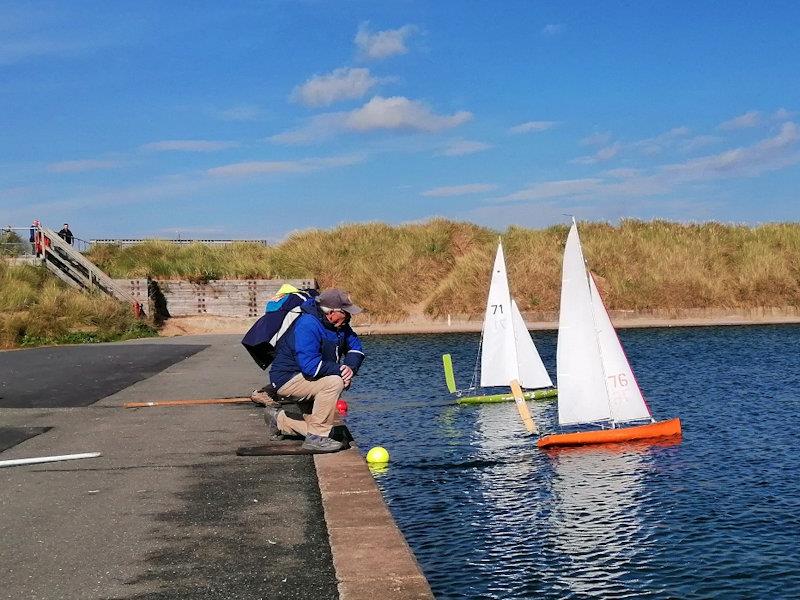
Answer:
[(271, 419), (318, 443)]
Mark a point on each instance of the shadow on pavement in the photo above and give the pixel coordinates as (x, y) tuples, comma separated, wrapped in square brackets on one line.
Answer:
[(81, 375)]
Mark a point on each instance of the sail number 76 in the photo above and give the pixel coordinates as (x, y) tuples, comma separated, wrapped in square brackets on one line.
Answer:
[(618, 381)]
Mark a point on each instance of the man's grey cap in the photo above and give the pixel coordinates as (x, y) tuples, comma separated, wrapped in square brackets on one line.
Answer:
[(336, 298)]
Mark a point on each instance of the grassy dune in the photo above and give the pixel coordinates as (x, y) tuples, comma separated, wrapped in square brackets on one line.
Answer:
[(38, 309), (442, 267)]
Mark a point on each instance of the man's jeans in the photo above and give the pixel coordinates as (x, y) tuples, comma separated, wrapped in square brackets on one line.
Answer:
[(324, 392)]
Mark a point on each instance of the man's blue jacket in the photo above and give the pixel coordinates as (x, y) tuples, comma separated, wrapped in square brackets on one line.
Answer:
[(315, 348)]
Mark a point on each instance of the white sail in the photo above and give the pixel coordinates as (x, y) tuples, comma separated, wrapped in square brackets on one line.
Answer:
[(582, 393), (532, 373), (498, 349), (625, 397)]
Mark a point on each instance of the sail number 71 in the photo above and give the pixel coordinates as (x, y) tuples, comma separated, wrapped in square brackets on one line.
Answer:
[(497, 308)]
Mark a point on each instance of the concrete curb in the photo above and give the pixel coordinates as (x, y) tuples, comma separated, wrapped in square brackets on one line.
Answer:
[(370, 555)]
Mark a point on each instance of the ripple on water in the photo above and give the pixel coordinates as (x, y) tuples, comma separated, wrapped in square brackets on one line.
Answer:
[(490, 516)]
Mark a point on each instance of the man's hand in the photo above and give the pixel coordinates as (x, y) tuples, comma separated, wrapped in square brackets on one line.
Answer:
[(347, 375)]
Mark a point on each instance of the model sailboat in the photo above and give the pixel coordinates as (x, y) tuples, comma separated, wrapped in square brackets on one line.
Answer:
[(507, 350), (596, 385)]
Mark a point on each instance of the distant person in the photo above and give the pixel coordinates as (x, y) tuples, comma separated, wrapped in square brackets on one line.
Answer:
[(65, 234), (315, 360), (36, 238)]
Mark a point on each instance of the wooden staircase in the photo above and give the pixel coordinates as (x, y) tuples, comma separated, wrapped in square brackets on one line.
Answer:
[(75, 269)]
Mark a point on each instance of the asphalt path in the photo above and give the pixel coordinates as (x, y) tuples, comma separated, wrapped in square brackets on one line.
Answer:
[(168, 510), (63, 376)]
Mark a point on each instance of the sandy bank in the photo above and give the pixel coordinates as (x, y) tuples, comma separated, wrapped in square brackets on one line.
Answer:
[(622, 319)]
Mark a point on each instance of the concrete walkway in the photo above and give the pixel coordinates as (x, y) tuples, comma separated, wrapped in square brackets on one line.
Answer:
[(169, 510)]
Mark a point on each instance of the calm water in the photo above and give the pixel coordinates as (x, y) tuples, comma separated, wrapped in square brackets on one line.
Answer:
[(490, 516)]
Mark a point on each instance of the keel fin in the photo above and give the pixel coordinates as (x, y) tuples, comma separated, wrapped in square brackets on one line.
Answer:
[(522, 407)]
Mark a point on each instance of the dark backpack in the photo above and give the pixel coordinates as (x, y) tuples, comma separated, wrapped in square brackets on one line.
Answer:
[(263, 336)]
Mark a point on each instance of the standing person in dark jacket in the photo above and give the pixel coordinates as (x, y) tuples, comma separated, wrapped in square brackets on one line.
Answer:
[(316, 360), (65, 234)]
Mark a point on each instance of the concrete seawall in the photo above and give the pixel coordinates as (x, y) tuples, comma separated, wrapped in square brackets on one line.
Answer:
[(370, 554)]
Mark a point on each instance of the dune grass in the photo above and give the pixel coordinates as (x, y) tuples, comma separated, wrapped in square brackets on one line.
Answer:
[(443, 267), (38, 309)]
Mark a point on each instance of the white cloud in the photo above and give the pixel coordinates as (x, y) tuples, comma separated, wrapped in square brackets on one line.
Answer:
[(749, 119), (189, 146), (459, 190), (399, 112), (655, 145), (555, 189), (341, 84), (82, 166), (396, 113), (266, 167), (317, 128), (596, 139), (699, 141), (382, 44), (462, 147), (241, 112), (552, 29), (602, 155), (623, 173), (783, 114), (533, 126), (769, 154)]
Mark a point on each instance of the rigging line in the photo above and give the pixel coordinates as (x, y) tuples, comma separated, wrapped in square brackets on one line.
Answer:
[(474, 382)]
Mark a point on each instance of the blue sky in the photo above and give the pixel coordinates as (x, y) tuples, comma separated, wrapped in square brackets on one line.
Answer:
[(255, 119)]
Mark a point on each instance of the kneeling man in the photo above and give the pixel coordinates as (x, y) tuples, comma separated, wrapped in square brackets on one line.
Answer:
[(315, 360)]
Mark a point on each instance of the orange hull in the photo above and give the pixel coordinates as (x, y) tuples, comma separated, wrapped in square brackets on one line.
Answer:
[(662, 429)]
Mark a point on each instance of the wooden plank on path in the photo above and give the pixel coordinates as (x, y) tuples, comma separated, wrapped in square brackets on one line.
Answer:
[(237, 400)]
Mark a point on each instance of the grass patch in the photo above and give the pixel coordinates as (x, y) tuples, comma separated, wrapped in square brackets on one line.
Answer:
[(38, 309), (443, 267)]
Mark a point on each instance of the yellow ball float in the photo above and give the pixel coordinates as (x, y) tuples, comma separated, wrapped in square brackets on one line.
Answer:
[(377, 455)]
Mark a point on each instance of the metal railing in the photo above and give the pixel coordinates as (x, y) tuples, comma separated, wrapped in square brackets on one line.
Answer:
[(14, 242), (133, 241)]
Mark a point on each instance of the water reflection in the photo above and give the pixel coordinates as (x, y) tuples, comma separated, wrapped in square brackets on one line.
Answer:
[(597, 524), (508, 485)]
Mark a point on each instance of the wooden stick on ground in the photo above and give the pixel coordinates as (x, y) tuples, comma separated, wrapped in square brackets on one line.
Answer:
[(522, 407), (185, 402)]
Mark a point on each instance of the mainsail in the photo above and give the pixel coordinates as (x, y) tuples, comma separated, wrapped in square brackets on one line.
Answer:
[(507, 350), (582, 394)]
